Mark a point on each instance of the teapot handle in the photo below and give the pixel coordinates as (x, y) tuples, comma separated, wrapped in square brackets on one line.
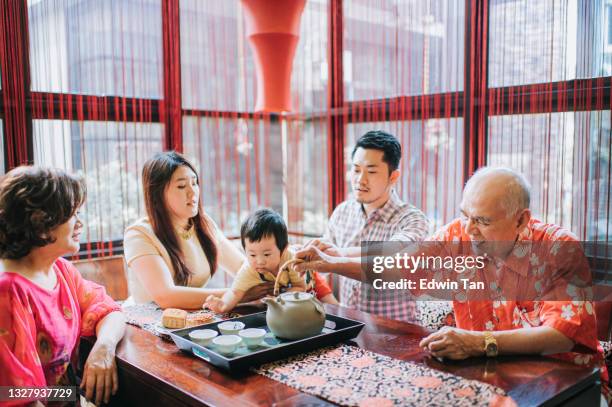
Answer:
[(284, 268), (318, 305)]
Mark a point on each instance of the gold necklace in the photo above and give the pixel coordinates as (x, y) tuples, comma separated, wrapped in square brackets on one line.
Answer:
[(185, 234)]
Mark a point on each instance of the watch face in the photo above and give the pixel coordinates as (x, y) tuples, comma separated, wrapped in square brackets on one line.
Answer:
[(491, 349)]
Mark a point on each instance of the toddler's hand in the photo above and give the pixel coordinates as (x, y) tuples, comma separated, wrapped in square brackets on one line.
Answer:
[(214, 303)]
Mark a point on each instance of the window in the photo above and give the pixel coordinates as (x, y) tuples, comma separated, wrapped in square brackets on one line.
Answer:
[(307, 184), (608, 43), (96, 47), (431, 165), (309, 80), (249, 163), (545, 41), (402, 47), (566, 158), (240, 166), (394, 48), (609, 25), (214, 45), (110, 156)]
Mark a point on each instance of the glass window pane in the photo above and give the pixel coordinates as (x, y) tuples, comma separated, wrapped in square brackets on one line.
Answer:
[(609, 25), (402, 47), (310, 77), (214, 45), (246, 164), (240, 166), (431, 166), (566, 158), (547, 41), (307, 185), (96, 47), (110, 155)]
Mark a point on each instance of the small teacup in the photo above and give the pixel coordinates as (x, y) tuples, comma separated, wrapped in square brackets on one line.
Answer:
[(252, 337), (202, 336), (227, 344), (230, 327)]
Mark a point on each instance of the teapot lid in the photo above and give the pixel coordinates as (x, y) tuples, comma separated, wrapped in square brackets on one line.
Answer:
[(296, 296)]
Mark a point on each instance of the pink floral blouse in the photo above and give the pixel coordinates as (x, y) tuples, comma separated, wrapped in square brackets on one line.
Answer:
[(40, 328)]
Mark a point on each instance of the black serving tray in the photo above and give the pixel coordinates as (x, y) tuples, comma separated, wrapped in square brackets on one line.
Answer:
[(337, 329)]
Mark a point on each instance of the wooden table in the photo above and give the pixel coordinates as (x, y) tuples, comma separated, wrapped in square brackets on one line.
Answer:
[(154, 372)]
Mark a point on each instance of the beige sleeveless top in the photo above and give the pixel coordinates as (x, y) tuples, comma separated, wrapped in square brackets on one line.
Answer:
[(140, 240)]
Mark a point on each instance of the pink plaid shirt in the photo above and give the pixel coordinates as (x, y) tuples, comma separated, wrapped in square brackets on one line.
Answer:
[(396, 220)]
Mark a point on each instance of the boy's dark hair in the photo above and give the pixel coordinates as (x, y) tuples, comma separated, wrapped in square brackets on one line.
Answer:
[(382, 141), (264, 223)]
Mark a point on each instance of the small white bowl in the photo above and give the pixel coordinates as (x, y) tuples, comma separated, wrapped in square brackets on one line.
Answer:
[(202, 336), (252, 337), (227, 343), (230, 327)]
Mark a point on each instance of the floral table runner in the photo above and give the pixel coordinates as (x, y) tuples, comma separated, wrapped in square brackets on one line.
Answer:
[(352, 376)]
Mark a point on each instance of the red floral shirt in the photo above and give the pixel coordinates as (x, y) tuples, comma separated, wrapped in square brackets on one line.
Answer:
[(574, 319)]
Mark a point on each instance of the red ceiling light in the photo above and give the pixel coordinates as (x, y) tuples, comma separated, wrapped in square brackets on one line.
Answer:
[(273, 29)]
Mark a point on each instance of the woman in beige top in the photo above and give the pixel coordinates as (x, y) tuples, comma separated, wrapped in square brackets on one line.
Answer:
[(172, 253)]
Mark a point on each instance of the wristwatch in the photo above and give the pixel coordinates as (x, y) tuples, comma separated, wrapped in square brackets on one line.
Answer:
[(490, 345)]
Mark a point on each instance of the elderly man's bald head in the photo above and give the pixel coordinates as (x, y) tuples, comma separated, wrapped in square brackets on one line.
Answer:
[(502, 185)]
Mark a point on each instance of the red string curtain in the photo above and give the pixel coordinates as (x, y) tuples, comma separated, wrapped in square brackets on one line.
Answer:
[(96, 77), (96, 48), (15, 89), (549, 69), (98, 107), (249, 160), (306, 179), (535, 96), (110, 155), (403, 72)]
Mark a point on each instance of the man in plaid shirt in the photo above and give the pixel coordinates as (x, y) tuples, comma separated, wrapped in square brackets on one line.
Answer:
[(375, 213)]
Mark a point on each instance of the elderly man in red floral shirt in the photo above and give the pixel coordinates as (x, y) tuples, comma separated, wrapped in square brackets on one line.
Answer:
[(495, 213)]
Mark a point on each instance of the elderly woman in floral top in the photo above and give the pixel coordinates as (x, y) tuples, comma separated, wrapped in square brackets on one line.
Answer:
[(46, 305)]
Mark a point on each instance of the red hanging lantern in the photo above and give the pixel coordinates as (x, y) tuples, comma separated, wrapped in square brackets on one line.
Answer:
[(273, 29)]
